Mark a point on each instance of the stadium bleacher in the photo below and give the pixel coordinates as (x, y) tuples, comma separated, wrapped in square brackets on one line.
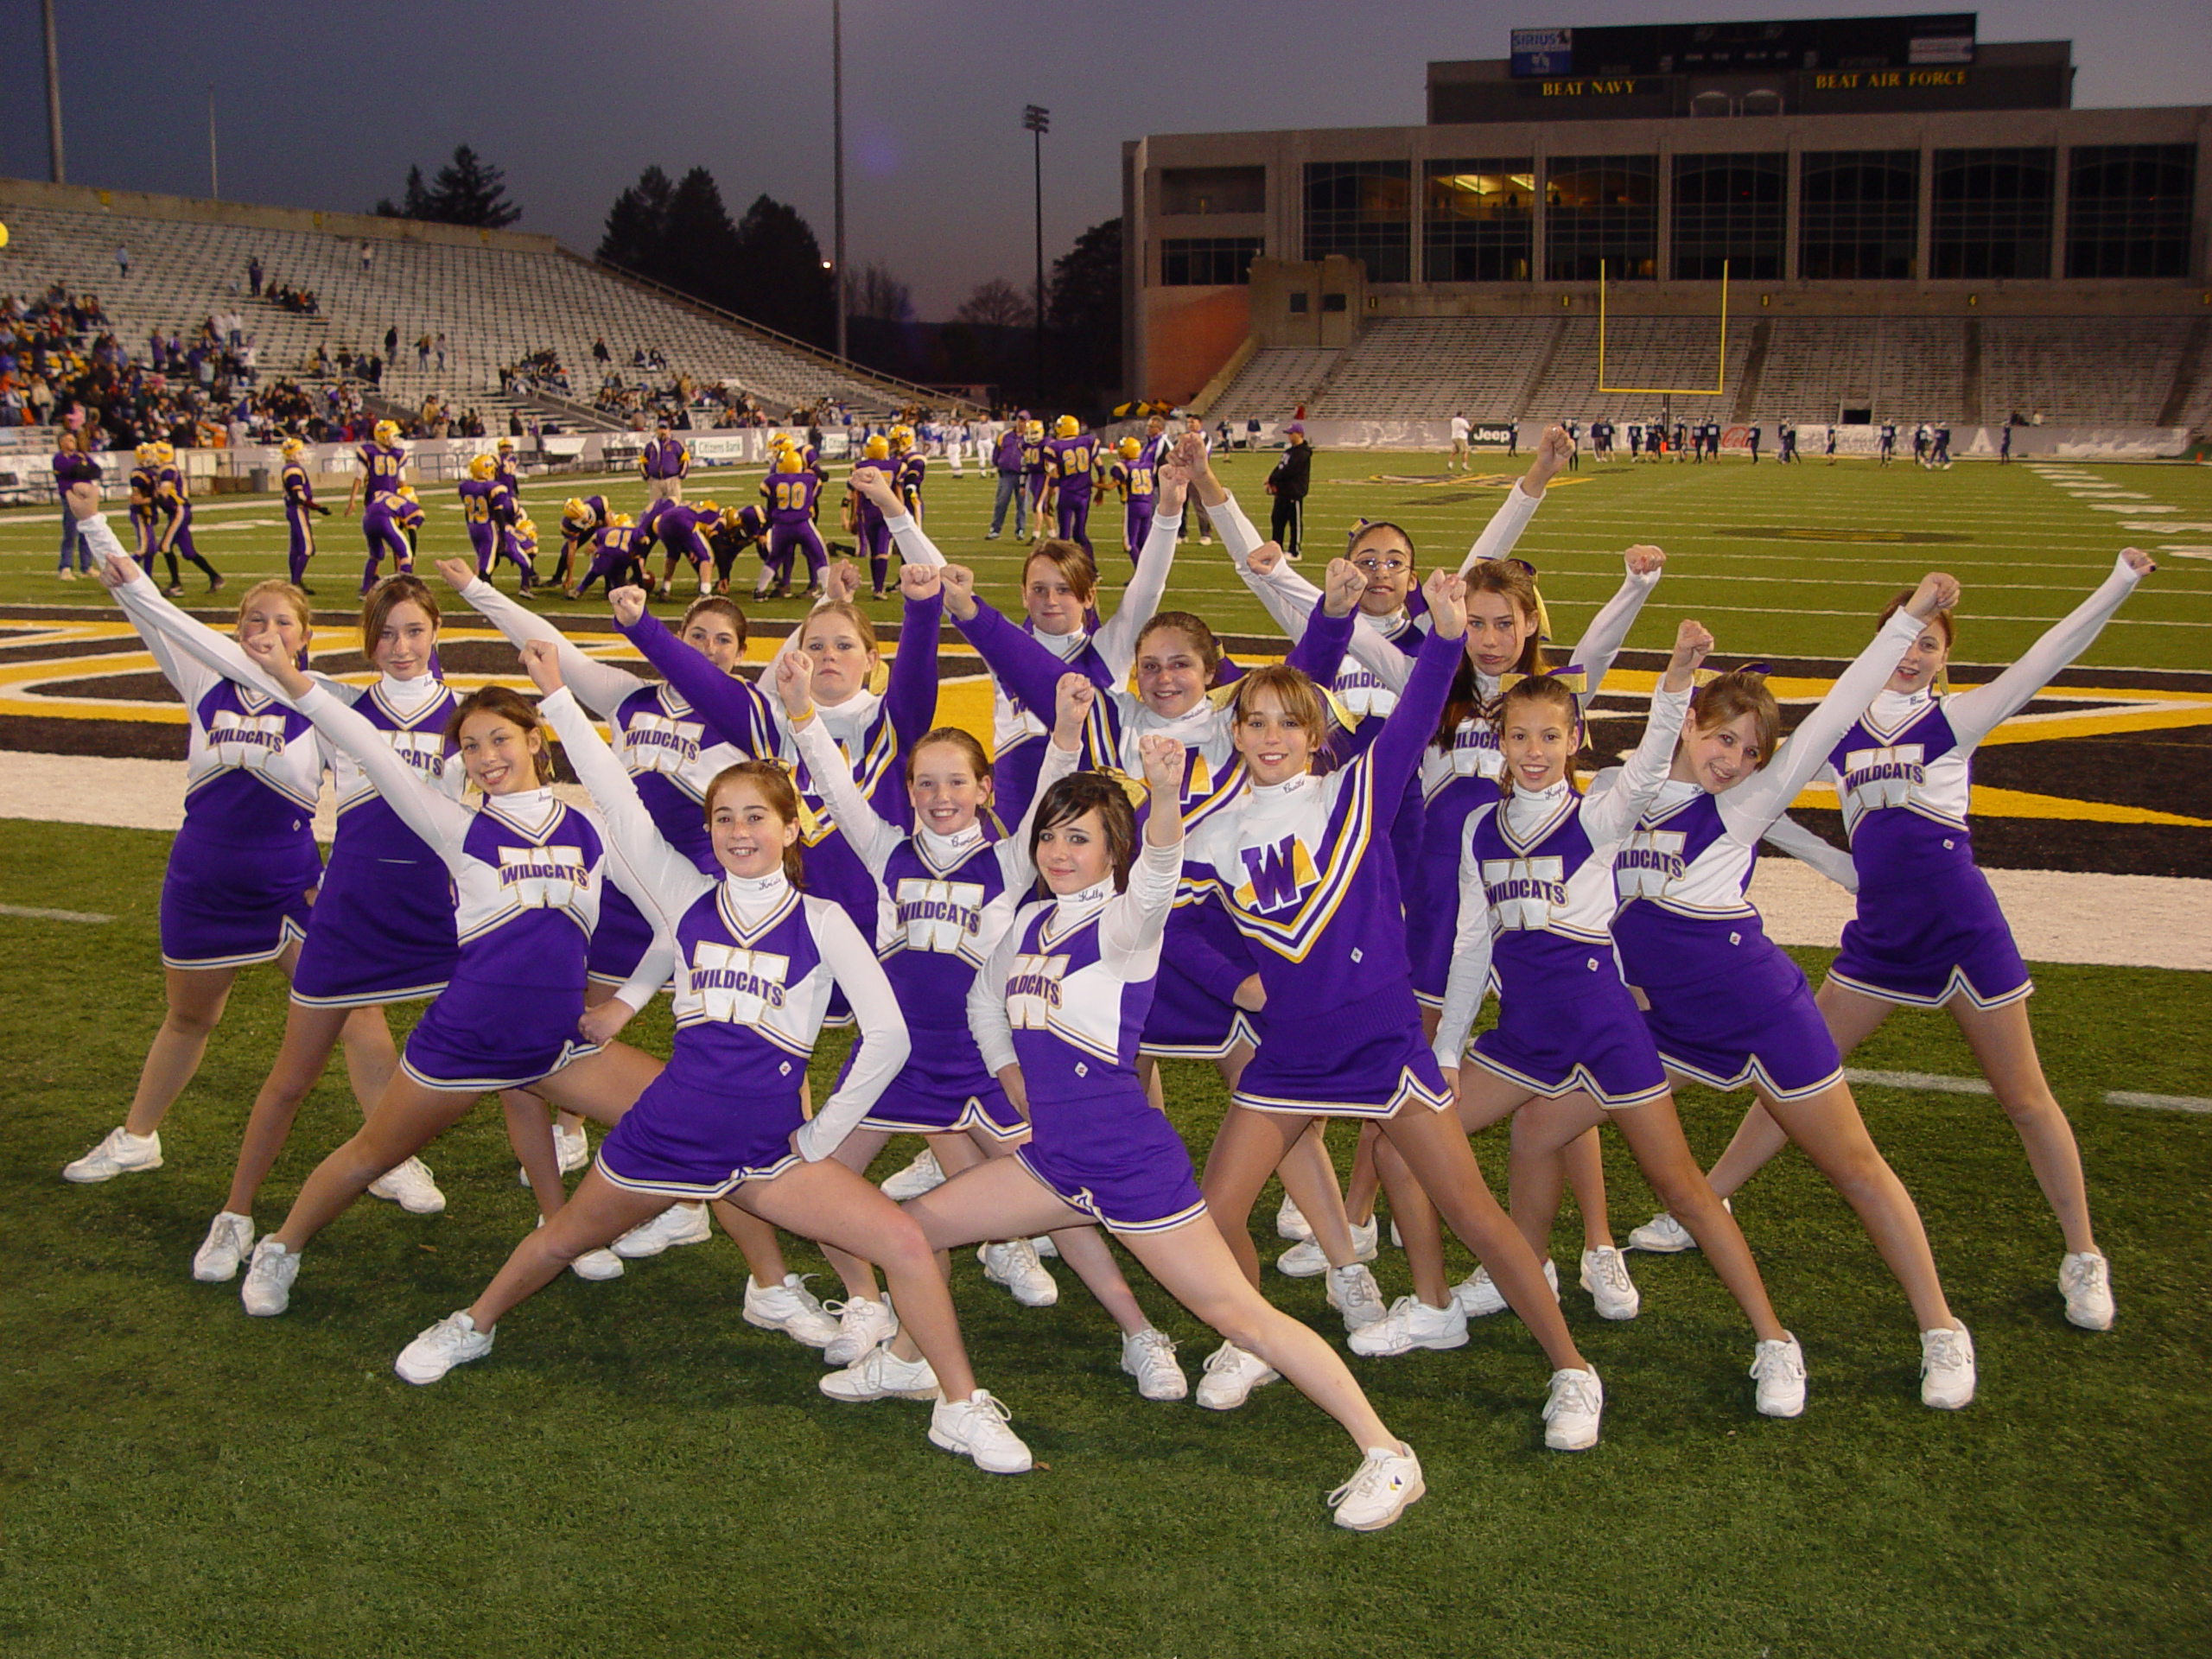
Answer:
[(1431, 368), (1271, 383), (494, 304)]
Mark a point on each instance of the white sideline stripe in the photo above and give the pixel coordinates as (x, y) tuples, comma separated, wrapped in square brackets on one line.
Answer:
[(2158, 1103), (1927, 1082), (33, 914)]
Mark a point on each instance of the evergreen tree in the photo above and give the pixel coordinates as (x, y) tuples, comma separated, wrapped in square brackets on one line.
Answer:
[(1082, 309), (778, 276), (636, 237), (700, 252), (468, 190)]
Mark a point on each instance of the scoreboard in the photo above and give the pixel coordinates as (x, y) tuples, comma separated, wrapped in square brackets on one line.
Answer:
[(1834, 44)]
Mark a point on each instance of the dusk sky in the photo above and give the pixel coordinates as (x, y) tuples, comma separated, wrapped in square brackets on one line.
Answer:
[(326, 106)]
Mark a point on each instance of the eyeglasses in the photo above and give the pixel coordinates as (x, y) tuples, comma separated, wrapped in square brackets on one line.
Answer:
[(1371, 566)]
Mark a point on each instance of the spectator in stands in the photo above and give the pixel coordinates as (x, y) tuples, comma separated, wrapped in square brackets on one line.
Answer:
[(390, 337), (366, 257), (1288, 482), (121, 262), (442, 351), (600, 354), (253, 274)]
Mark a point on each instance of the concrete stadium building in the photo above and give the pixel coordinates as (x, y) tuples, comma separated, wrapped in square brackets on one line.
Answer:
[(1915, 224)]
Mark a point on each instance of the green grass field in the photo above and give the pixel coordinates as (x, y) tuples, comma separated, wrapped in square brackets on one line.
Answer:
[(635, 1470), (1778, 561)]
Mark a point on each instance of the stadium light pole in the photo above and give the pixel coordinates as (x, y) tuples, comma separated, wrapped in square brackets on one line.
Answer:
[(837, 129), (1038, 122), (54, 99), (215, 179)]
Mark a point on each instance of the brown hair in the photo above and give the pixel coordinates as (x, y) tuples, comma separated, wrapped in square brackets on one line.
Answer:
[(285, 590), (1518, 582), (1295, 694), (1736, 693), (1183, 622), (1366, 527), (385, 597), (1541, 689), (774, 787), (1941, 619), (715, 604), (850, 612), (956, 737), (510, 706), (1072, 562), (1092, 791)]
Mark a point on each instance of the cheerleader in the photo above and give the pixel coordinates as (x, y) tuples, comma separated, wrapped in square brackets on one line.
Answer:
[(672, 752), (527, 870), (1300, 864), (1059, 596), (243, 868), (1725, 1007), (1929, 933), (946, 894), (725, 1122), (382, 927), (1055, 1012), (1536, 895)]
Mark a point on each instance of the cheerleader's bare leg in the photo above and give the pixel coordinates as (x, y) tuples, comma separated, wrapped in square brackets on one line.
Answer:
[(310, 1034), (2004, 1046), (1246, 1150), (195, 1001)]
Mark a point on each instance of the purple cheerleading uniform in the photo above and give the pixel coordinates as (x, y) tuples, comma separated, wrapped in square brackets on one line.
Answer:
[(1726, 1006), (1929, 927), (755, 967), (1303, 869), (943, 902), (1536, 898), (383, 926), (872, 732), (671, 749), (791, 497), (1064, 995)]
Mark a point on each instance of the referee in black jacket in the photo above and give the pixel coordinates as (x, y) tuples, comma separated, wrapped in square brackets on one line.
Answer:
[(1287, 483)]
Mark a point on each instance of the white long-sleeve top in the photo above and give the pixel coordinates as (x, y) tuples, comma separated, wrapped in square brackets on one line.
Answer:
[(1708, 881), (1940, 788), (667, 884), (1085, 1011), (1538, 893)]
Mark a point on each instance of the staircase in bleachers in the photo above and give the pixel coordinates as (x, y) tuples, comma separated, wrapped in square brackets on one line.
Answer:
[(1270, 385), (494, 305), (1432, 368), (1680, 352)]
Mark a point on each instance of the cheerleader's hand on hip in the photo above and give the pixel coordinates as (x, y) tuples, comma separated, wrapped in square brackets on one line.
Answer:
[(604, 1024)]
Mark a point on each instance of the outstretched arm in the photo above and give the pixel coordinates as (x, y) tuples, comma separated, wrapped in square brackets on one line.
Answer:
[(1607, 819), (600, 686), (909, 694), (1408, 728), (1786, 835), (1116, 639), (1513, 514), (1136, 917), (1973, 715), (1074, 699), (1601, 640), (871, 837), (735, 708)]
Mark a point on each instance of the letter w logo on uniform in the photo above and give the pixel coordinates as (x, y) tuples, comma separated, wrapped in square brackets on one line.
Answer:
[(1521, 889), (1652, 858), (1888, 774), (1278, 876), (934, 915), (732, 985)]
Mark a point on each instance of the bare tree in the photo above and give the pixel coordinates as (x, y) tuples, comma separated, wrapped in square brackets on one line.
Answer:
[(873, 291), (999, 304)]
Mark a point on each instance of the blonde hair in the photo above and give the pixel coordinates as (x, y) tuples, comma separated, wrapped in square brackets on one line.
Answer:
[(285, 590), (850, 612), (1294, 694)]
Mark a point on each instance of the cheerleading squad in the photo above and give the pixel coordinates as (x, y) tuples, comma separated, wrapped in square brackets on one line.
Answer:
[(1310, 873)]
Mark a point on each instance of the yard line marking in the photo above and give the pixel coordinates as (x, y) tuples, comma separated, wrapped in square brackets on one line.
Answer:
[(1927, 1082), (2158, 1103), (33, 914)]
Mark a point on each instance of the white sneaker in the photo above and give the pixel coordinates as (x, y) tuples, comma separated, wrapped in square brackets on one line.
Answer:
[(916, 1178), (269, 1275), (976, 1428), (1308, 1261), (2085, 1282), (1572, 1409), (410, 1186), (861, 1325), (1149, 1356), (1481, 1297), (1778, 1368), (1947, 1373), (1397, 1240), (1387, 1480), (598, 1266), (791, 1308), (1604, 1275), (1231, 1374), (1410, 1324), (880, 1374), (1014, 1264), (680, 1223), (1353, 1294), (1044, 1246), (1290, 1221), (454, 1340), (229, 1242), (120, 1154), (1663, 1236), (571, 1152)]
